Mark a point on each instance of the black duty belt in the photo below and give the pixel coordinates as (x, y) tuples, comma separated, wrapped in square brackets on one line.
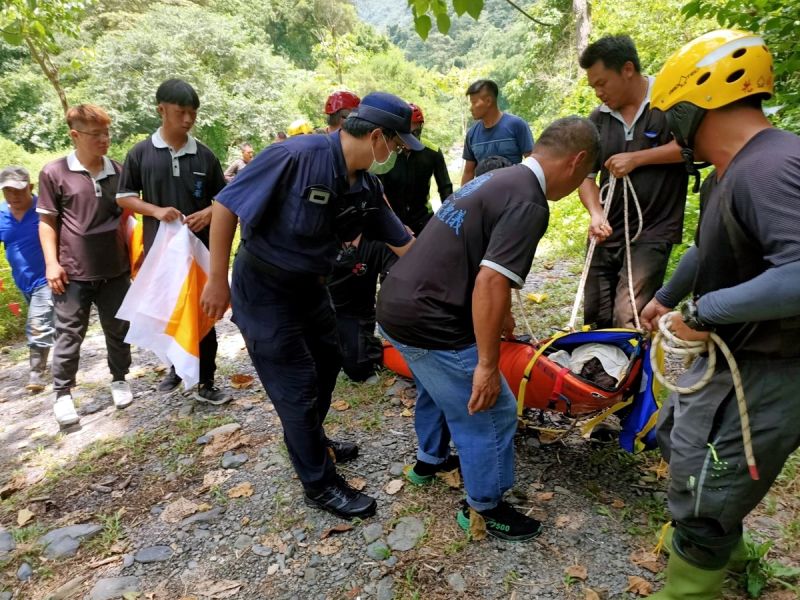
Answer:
[(289, 278)]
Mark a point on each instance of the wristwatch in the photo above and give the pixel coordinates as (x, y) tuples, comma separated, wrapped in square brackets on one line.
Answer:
[(692, 319)]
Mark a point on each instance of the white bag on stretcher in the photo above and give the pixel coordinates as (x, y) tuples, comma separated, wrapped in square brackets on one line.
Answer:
[(163, 302)]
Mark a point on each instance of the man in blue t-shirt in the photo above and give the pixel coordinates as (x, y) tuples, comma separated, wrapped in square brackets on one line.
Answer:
[(19, 234), (495, 133)]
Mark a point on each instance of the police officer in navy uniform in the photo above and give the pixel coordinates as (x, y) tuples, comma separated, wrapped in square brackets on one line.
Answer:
[(297, 202)]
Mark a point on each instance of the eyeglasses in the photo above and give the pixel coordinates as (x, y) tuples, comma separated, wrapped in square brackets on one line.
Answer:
[(95, 134)]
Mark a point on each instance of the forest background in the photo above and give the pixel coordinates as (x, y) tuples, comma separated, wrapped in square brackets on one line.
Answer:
[(260, 64)]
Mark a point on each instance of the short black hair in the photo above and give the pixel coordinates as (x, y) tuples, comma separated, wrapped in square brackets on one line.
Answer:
[(570, 135), (360, 128), (336, 118), (613, 50), (484, 84), (177, 91), (490, 163)]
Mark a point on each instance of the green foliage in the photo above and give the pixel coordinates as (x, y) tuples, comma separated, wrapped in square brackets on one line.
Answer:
[(38, 21), (760, 570), (778, 21)]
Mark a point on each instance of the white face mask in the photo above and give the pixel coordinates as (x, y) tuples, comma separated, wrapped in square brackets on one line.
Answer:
[(381, 168)]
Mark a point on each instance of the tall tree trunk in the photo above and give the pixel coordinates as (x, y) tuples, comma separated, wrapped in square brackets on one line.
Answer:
[(583, 26), (42, 58)]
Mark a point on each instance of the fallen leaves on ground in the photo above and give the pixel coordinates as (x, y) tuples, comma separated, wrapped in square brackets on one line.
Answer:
[(409, 402), (328, 547), (389, 381), (562, 521), (357, 483), (216, 477), (24, 517), (646, 560), (544, 496), (617, 503), (394, 486), (661, 469), (577, 572), (215, 590), (178, 510), (451, 478), (223, 442), (12, 487), (639, 586), (406, 413), (340, 405), (240, 381), (242, 490), (477, 525), (338, 528), (590, 594)]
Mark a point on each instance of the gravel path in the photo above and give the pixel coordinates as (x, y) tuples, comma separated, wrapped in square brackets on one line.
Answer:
[(175, 525)]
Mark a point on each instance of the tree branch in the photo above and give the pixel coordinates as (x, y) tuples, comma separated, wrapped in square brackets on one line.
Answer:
[(50, 71), (535, 20)]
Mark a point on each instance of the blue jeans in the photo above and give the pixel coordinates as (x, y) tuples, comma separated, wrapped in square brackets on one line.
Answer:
[(39, 327), (485, 440)]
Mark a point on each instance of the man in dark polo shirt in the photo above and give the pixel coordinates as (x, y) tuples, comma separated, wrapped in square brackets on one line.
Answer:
[(445, 305), (635, 141), (173, 176), (298, 201), (407, 186), (85, 254)]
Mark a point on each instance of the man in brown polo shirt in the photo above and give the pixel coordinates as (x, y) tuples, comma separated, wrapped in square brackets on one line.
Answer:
[(85, 255)]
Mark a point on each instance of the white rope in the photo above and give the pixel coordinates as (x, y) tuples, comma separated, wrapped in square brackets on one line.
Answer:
[(606, 196), (528, 329), (671, 344)]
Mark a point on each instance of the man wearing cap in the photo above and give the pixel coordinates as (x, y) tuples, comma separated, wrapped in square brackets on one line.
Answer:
[(743, 280), (338, 107), (297, 202), (86, 255), (19, 234), (408, 184)]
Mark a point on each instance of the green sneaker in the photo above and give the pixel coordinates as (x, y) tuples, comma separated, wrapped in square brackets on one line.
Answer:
[(423, 473), (503, 522)]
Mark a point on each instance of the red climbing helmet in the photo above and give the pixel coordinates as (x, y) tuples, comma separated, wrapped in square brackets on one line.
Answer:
[(416, 114), (340, 100)]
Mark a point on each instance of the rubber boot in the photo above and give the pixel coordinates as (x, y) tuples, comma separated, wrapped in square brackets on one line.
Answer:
[(739, 558), (38, 363), (687, 582)]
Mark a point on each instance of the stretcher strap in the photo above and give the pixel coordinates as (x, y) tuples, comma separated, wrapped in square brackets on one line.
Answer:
[(526, 375), (587, 427)]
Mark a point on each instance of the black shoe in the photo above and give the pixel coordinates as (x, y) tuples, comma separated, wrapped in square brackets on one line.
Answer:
[(423, 472), (207, 392), (170, 382), (504, 522), (341, 500), (342, 451)]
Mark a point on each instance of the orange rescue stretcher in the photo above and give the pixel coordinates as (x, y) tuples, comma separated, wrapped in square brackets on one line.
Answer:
[(543, 384)]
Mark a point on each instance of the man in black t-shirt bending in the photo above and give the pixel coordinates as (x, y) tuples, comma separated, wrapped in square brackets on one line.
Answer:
[(446, 304)]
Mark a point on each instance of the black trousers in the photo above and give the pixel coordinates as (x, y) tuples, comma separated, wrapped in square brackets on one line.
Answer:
[(290, 331), (72, 309), (362, 352), (607, 301)]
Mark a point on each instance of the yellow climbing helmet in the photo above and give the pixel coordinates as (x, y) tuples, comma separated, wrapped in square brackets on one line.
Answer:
[(715, 69), (299, 127)]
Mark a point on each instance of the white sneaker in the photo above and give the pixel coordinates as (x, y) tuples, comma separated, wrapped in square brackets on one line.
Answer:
[(121, 393), (64, 410)]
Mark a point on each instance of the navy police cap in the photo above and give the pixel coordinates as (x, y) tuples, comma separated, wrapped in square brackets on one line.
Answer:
[(389, 111)]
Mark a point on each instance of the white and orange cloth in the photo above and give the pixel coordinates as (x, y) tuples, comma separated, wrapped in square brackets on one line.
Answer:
[(163, 302)]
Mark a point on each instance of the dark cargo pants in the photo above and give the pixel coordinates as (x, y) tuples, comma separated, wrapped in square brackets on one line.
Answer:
[(711, 490)]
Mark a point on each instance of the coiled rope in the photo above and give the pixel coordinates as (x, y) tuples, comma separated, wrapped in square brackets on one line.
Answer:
[(671, 344)]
